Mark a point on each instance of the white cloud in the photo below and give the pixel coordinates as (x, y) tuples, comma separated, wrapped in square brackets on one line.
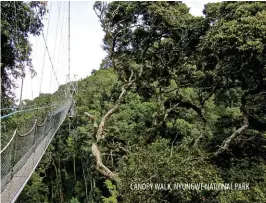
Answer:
[(196, 7)]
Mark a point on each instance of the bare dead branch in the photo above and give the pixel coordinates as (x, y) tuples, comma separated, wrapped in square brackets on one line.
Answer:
[(227, 142), (100, 167), (100, 134), (90, 116), (172, 145), (169, 110)]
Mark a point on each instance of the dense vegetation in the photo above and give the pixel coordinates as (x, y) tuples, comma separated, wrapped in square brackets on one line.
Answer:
[(179, 99), (18, 20)]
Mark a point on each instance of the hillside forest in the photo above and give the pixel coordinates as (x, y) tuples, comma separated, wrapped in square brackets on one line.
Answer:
[(178, 99)]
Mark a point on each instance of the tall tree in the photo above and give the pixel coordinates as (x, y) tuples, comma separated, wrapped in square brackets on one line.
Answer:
[(18, 20), (179, 99), (233, 57), (157, 41)]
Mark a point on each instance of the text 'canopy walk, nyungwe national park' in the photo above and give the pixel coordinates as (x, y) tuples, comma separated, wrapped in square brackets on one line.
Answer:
[(170, 105)]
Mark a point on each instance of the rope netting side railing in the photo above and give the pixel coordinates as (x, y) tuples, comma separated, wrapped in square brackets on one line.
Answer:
[(16, 154)]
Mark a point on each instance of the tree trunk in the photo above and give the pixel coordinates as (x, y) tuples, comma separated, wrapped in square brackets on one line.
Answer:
[(74, 168), (100, 167), (84, 176)]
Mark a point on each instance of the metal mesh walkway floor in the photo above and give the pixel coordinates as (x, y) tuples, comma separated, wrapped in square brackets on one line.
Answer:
[(13, 182)]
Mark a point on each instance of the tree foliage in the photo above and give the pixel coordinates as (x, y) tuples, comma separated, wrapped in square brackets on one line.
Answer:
[(18, 20), (178, 99)]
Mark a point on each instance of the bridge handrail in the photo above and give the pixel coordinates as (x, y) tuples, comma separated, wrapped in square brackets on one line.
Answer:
[(33, 127), (40, 125), (19, 145), (13, 136)]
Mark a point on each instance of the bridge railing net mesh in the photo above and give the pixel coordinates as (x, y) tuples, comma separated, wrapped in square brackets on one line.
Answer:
[(20, 148)]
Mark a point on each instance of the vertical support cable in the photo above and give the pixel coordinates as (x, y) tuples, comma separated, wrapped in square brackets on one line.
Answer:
[(50, 10), (21, 89), (58, 20), (69, 39), (22, 81), (22, 68)]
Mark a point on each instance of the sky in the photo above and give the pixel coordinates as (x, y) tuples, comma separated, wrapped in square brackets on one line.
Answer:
[(86, 53)]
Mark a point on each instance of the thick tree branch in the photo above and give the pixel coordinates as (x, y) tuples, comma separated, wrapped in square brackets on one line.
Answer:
[(187, 105), (99, 134), (227, 142), (90, 116), (214, 89), (100, 167)]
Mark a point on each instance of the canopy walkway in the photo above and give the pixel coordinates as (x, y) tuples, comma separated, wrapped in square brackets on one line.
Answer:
[(21, 155)]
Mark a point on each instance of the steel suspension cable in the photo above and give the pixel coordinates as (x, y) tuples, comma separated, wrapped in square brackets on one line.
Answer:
[(26, 110), (16, 107), (16, 44), (27, 51), (59, 11), (37, 55), (50, 58), (61, 37), (69, 39), (45, 48), (64, 39)]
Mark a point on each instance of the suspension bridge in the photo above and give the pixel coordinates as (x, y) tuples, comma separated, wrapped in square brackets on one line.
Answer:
[(22, 153)]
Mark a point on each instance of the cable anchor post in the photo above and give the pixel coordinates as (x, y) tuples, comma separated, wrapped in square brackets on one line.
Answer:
[(72, 88)]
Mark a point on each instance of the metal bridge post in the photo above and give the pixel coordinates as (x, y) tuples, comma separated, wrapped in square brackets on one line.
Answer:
[(13, 161), (13, 158), (33, 142)]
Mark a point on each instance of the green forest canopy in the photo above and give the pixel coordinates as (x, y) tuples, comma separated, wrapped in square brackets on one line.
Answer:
[(179, 99)]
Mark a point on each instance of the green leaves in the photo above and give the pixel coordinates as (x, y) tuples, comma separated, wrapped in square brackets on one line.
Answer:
[(113, 192), (199, 86), (35, 191), (18, 20), (154, 164)]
